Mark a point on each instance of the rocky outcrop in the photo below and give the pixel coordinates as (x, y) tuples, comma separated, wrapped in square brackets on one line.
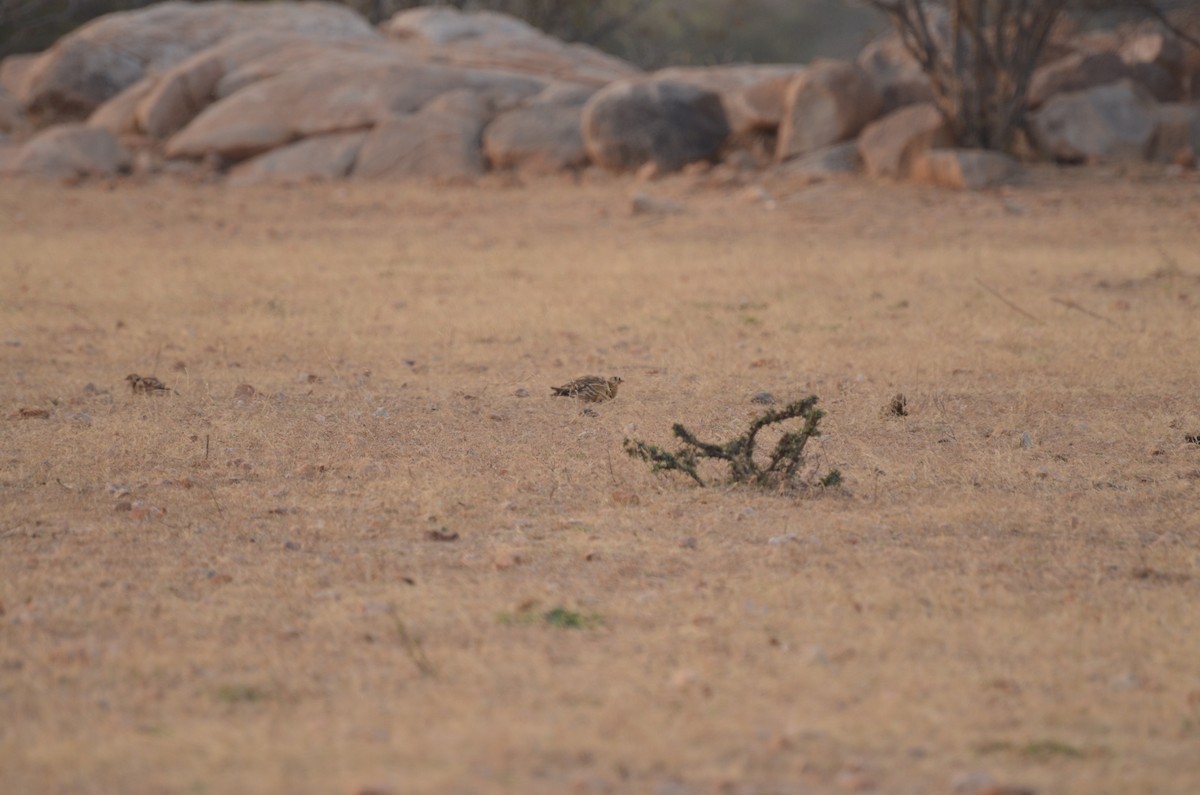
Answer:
[(539, 139), (99, 60), (890, 147), (1102, 123), (70, 151), (442, 141), (631, 123), (491, 41), (1076, 72), (321, 157), (832, 161), (752, 94), (830, 102), (12, 117)]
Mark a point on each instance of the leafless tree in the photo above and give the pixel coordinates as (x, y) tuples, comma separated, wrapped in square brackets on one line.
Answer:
[(980, 55)]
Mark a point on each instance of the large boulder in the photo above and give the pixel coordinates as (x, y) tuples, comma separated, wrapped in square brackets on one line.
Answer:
[(13, 69), (633, 122), (890, 146), (336, 93), (1113, 121), (12, 117), (1177, 136), (539, 138), (119, 114), (830, 102), (490, 40), (752, 94), (898, 77), (442, 141), (1076, 72), (105, 56), (965, 169), (831, 161), (321, 157), (1159, 47), (69, 151)]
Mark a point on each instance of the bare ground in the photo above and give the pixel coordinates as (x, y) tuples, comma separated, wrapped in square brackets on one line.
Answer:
[(240, 588)]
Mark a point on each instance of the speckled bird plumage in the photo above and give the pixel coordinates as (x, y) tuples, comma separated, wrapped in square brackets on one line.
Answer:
[(590, 388), (147, 385)]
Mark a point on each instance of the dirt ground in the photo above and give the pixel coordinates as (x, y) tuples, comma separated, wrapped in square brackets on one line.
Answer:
[(360, 549)]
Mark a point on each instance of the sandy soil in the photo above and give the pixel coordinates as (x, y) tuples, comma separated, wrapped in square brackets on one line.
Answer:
[(361, 549)]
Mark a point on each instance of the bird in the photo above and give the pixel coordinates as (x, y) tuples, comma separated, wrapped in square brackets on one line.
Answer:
[(147, 385), (590, 388)]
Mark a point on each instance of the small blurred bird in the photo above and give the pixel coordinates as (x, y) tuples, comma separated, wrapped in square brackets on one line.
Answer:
[(147, 385), (590, 388)]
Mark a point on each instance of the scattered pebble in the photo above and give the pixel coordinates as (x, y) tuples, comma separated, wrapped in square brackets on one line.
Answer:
[(776, 541), (381, 412), (763, 398), (1026, 440), (292, 546), (521, 392), (688, 542), (971, 781), (645, 204)]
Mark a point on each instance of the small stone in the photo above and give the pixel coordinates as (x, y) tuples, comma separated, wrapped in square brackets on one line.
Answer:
[(1026, 440), (292, 546), (521, 392), (777, 541), (244, 391), (644, 204), (763, 398), (971, 782), (688, 542), (381, 412), (506, 559)]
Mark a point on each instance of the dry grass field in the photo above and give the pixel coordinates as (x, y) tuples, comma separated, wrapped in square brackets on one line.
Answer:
[(362, 550)]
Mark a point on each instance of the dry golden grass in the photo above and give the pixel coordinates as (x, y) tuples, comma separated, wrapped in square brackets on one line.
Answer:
[(229, 591)]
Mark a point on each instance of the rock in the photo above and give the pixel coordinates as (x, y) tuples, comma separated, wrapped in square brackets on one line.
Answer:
[(898, 78), (830, 102), (1177, 134), (317, 158), (965, 169), (337, 94), (442, 141), (179, 95), (1075, 72), (540, 138), (645, 204), (13, 69), (889, 147), (118, 115), (494, 41), (12, 118), (105, 56), (1160, 48), (1105, 122), (633, 122), (1157, 80), (752, 94), (71, 150), (831, 161)]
